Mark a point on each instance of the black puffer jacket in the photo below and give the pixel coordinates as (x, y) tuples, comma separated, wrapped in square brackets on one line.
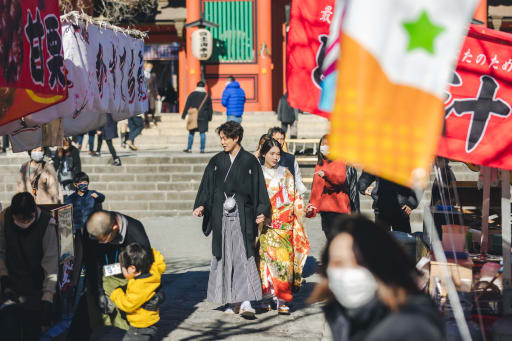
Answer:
[(354, 325), (417, 320), (386, 194)]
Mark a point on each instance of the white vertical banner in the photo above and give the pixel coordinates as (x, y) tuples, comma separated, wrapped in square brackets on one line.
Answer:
[(105, 72)]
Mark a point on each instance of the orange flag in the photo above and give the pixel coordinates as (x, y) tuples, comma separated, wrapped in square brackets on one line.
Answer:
[(396, 60)]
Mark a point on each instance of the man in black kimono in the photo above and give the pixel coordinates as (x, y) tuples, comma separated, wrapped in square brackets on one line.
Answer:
[(233, 200)]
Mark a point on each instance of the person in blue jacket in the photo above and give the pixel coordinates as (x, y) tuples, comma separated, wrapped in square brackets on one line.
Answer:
[(233, 99)]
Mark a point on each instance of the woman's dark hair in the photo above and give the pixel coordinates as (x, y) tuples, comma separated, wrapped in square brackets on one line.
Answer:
[(136, 255), (80, 176), (263, 139), (376, 250), (321, 157), (23, 205), (269, 144), (232, 130), (200, 84)]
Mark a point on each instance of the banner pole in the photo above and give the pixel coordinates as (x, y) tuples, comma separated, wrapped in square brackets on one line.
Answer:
[(484, 240), (445, 272), (505, 240)]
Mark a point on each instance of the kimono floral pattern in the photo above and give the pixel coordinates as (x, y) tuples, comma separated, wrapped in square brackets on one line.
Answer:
[(284, 245)]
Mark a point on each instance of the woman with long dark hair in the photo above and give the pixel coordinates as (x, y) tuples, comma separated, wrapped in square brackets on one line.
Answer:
[(370, 284), (334, 192), (284, 245)]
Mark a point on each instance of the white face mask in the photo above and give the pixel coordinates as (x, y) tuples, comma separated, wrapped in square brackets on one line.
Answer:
[(352, 287), (324, 149), (37, 156)]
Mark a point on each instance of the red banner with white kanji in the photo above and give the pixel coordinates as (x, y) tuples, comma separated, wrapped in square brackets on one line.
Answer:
[(478, 109), (307, 41), (32, 74)]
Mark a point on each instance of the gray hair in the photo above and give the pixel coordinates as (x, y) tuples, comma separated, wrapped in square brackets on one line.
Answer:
[(100, 223)]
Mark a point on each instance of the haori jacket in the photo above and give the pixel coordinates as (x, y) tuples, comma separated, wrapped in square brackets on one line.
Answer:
[(243, 179), (233, 99), (139, 290), (331, 193)]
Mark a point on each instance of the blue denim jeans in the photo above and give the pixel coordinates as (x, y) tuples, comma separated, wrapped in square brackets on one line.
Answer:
[(91, 134), (237, 119), (191, 139), (135, 124)]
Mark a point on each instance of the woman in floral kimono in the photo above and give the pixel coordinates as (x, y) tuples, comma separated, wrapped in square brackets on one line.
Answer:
[(284, 245)]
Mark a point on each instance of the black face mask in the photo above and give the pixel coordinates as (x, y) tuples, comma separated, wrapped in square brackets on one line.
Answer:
[(82, 187)]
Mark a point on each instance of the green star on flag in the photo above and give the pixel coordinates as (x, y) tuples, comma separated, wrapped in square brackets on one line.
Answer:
[(422, 33)]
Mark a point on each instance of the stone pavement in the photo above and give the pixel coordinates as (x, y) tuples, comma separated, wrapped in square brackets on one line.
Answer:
[(187, 316)]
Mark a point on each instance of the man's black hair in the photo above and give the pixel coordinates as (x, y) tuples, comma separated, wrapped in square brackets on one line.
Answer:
[(276, 130), (136, 255), (79, 177), (232, 130), (23, 205), (231, 78), (269, 144), (200, 84)]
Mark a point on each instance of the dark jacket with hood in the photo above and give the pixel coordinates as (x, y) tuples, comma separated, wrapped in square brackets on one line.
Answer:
[(418, 320), (205, 114)]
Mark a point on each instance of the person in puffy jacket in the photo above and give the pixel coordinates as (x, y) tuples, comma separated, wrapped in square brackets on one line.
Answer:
[(334, 192), (141, 297), (233, 99)]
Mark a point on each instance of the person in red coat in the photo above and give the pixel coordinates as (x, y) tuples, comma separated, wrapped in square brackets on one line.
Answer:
[(330, 194)]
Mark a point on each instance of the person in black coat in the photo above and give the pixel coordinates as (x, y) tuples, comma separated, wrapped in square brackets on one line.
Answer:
[(107, 133), (371, 287), (67, 164), (204, 116), (392, 203)]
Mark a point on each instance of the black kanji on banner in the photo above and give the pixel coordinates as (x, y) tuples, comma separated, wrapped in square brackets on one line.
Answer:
[(54, 45), (481, 109), (140, 78), (131, 80), (112, 67), (122, 62), (317, 74), (101, 70), (34, 31)]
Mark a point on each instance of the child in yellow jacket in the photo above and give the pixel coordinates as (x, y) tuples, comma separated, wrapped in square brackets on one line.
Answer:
[(140, 298)]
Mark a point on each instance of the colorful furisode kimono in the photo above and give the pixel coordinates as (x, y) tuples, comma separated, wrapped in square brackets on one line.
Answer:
[(284, 245)]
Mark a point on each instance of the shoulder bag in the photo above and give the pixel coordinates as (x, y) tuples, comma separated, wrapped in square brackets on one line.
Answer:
[(193, 115)]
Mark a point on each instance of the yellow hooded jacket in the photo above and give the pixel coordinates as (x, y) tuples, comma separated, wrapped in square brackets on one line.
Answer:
[(139, 291)]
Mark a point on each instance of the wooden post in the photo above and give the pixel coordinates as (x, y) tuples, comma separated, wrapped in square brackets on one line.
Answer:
[(484, 241)]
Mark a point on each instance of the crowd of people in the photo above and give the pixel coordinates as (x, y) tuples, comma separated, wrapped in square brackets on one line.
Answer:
[(253, 205)]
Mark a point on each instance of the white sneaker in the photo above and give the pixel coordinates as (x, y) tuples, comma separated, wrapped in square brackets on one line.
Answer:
[(246, 310), (232, 309)]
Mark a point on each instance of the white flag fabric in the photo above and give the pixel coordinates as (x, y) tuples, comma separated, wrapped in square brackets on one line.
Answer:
[(105, 72)]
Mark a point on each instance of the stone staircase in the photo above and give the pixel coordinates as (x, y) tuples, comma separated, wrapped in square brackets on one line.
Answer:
[(159, 180)]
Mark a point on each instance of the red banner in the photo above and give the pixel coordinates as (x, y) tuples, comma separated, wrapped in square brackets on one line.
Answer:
[(307, 40), (478, 115), (32, 74)]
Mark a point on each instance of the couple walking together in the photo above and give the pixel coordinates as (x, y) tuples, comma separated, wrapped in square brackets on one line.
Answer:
[(254, 213)]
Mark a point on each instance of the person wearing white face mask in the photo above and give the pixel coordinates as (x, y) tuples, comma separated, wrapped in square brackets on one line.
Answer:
[(28, 268), (370, 284), (38, 177), (334, 192)]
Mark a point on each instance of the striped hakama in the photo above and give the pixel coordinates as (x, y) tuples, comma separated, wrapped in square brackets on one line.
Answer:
[(233, 278)]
